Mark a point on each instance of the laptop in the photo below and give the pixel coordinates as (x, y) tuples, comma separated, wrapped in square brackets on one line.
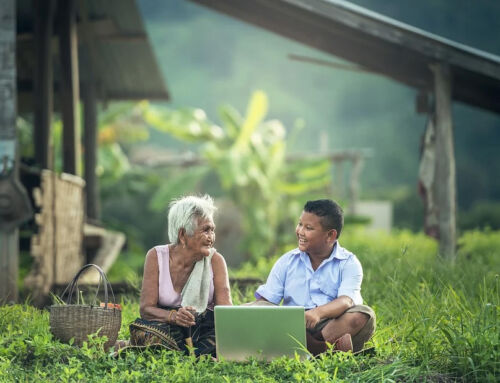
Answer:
[(262, 332)]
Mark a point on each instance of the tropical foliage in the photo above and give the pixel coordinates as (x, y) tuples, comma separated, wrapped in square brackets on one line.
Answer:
[(436, 322), (248, 155)]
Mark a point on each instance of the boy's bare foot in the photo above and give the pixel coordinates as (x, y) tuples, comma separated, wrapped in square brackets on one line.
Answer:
[(344, 343)]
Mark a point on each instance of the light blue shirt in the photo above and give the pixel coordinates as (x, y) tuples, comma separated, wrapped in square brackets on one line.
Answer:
[(293, 280)]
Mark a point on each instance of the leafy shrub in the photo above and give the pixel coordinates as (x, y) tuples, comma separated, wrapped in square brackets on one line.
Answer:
[(482, 215), (248, 156), (435, 322), (442, 317)]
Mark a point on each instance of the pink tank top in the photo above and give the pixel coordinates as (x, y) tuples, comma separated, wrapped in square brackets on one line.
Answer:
[(167, 296)]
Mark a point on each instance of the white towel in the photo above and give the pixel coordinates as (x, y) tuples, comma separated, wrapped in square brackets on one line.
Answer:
[(197, 287)]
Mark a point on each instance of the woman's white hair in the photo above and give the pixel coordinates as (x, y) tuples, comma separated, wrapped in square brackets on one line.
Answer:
[(184, 213)]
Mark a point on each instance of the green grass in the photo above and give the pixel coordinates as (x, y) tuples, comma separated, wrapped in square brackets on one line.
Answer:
[(436, 321)]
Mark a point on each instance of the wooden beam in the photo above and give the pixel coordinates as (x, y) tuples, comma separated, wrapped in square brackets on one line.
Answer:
[(445, 178), (27, 38), (125, 96), (9, 269), (90, 157), (124, 37), (185, 160), (103, 28), (377, 43), (69, 87), (9, 239), (43, 80)]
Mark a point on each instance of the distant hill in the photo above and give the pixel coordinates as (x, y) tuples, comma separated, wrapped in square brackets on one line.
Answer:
[(209, 59)]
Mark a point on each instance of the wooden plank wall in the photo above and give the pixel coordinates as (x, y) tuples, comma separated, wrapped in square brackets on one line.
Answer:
[(57, 247), (69, 220)]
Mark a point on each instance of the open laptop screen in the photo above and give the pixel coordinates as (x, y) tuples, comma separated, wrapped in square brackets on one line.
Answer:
[(264, 332)]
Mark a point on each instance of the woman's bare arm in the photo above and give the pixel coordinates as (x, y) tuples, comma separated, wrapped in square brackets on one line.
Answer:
[(149, 292), (222, 290)]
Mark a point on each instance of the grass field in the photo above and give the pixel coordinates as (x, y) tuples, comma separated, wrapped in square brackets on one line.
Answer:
[(437, 322)]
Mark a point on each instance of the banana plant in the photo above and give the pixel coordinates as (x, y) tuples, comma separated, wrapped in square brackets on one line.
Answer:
[(248, 154)]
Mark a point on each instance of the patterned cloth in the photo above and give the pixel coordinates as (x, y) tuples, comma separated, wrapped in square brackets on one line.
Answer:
[(173, 337)]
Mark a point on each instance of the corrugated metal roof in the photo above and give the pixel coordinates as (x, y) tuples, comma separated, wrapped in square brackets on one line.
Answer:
[(377, 43), (125, 59), (113, 47)]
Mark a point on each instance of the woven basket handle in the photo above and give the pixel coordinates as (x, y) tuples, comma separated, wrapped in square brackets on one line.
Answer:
[(103, 278)]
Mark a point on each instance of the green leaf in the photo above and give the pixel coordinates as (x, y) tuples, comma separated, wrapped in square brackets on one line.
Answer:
[(257, 110), (313, 170), (184, 183), (231, 119)]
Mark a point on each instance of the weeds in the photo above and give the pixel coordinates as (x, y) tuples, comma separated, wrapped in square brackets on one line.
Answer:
[(436, 322)]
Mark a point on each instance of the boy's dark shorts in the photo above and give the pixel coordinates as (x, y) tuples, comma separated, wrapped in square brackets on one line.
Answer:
[(363, 335)]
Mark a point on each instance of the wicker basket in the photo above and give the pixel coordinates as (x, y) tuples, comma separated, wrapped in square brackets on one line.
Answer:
[(79, 321)]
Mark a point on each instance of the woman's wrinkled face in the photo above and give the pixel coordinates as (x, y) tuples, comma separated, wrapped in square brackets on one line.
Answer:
[(203, 237)]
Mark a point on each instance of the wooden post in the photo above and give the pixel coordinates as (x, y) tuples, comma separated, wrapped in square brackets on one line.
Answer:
[(90, 117), (444, 181), (427, 178), (338, 182), (69, 90), (9, 260), (357, 166), (43, 80), (90, 158), (9, 240)]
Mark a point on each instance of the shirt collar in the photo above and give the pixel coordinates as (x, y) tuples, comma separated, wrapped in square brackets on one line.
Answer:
[(337, 252)]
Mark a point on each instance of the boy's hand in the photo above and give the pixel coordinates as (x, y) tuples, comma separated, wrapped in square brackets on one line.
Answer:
[(312, 318)]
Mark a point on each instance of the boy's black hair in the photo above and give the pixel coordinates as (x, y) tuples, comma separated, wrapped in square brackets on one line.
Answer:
[(332, 216)]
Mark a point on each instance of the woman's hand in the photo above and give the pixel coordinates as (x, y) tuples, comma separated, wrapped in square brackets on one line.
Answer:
[(312, 318), (185, 317)]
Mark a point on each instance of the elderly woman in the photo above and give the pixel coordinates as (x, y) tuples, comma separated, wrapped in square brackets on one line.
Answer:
[(182, 282)]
